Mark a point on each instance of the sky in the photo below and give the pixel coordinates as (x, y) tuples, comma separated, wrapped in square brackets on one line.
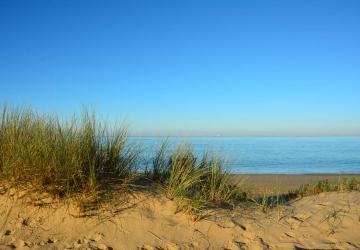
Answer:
[(204, 68)]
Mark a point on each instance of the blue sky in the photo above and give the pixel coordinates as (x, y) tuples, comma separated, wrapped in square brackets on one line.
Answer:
[(188, 67)]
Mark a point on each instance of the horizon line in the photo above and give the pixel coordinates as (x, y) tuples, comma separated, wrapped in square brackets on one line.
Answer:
[(219, 136)]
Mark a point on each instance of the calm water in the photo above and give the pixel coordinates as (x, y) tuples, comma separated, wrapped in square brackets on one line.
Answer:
[(274, 154)]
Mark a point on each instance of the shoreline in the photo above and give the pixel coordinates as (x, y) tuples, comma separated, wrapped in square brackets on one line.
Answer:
[(274, 183), (297, 174)]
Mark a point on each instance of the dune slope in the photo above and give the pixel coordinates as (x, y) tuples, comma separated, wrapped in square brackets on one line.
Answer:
[(324, 221)]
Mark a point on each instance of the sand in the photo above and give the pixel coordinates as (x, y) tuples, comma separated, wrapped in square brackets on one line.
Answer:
[(280, 183), (148, 221)]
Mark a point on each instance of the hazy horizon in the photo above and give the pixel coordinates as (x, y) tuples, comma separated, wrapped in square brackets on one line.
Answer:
[(188, 68), (164, 135)]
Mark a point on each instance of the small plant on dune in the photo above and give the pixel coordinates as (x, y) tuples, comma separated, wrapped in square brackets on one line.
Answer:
[(348, 184), (311, 189), (322, 186), (264, 202), (343, 184), (334, 218)]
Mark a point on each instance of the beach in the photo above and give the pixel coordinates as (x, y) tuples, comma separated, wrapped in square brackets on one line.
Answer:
[(72, 186), (179, 125), (283, 183)]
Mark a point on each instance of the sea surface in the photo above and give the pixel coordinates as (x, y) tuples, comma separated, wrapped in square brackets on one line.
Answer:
[(271, 155)]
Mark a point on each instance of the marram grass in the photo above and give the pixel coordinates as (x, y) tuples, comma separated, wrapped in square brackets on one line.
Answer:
[(193, 183), (61, 157), (76, 156)]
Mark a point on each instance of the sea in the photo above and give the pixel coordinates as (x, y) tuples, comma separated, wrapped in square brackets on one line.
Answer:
[(270, 155)]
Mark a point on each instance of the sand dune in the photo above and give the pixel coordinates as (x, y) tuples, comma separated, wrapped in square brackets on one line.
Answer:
[(325, 221)]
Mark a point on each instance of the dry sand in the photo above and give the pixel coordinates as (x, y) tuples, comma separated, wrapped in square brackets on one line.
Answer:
[(325, 221)]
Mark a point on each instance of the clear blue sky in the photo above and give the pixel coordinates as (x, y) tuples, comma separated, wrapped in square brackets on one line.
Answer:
[(188, 67)]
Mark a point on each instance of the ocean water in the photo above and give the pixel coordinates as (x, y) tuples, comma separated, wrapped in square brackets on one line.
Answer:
[(284, 155)]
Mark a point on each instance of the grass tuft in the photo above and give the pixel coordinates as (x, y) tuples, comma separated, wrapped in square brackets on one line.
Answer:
[(184, 175), (194, 184)]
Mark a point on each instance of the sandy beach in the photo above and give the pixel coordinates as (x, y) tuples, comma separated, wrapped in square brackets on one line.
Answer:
[(148, 221), (282, 183)]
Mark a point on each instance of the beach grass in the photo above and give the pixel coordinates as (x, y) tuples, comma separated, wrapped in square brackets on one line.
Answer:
[(341, 185), (61, 157), (77, 156), (195, 183)]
